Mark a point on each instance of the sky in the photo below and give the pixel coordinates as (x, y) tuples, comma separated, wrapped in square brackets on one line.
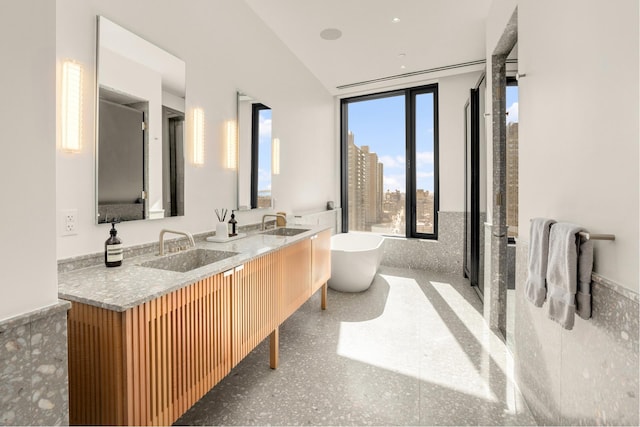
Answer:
[(380, 124), (512, 104), (264, 151)]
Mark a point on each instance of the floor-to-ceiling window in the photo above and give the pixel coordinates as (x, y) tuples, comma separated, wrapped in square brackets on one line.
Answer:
[(390, 162)]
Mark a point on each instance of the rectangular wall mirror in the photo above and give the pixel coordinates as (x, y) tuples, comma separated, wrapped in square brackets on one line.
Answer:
[(140, 127), (254, 153)]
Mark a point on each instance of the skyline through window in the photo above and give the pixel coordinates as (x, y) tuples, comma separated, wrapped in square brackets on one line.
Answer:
[(380, 198)]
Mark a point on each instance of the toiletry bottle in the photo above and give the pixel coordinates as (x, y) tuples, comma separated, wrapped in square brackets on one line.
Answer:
[(113, 248), (232, 224)]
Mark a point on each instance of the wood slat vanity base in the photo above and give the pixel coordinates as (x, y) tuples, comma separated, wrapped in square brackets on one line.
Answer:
[(254, 303), (149, 364)]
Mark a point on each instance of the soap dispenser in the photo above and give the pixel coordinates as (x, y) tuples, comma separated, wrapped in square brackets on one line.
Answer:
[(113, 252), (232, 225)]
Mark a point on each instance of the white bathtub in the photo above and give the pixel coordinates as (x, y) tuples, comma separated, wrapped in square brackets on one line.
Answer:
[(355, 258)]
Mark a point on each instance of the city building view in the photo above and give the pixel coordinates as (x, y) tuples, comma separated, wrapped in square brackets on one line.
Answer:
[(512, 160), (264, 198), (374, 209)]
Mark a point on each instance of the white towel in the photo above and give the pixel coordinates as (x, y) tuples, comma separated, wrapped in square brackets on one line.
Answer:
[(535, 287), (565, 261)]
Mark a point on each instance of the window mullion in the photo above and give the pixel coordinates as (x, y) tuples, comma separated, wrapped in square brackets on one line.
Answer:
[(410, 163)]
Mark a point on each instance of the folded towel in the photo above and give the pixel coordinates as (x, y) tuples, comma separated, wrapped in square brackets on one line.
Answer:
[(585, 267), (565, 261), (535, 287)]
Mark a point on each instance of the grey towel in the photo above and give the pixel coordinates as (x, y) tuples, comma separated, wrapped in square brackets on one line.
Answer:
[(570, 261), (535, 287), (585, 267)]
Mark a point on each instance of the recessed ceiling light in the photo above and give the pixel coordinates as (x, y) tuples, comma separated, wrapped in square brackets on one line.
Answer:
[(402, 55), (395, 20), (331, 34)]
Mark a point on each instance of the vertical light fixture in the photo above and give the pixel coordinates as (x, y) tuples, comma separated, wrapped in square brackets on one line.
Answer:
[(231, 161), (71, 106), (275, 156), (198, 137)]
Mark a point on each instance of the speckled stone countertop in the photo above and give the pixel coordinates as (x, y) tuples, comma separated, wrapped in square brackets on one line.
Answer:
[(124, 287)]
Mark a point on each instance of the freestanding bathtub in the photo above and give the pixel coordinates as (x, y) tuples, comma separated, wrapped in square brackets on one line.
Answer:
[(355, 258)]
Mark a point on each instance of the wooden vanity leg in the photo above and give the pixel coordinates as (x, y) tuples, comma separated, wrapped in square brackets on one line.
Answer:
[(274, 338), (323, 303)]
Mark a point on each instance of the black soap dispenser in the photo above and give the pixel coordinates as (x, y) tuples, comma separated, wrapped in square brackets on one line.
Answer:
[(113, 252), (232, 224)]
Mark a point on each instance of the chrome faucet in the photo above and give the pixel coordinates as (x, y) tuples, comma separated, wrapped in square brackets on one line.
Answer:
[(276, 216), (184, 233)]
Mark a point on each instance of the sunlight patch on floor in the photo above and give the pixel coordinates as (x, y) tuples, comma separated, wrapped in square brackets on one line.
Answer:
[(493, 347), (472, 320), (411, 338)]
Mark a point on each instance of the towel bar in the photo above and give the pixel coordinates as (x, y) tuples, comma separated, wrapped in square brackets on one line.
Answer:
[(592, 236)]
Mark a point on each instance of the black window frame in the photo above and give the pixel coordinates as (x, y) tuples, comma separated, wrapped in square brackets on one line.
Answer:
[(410, 95)]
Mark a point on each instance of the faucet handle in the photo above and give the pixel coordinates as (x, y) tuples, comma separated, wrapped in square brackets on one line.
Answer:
[(281, 219)]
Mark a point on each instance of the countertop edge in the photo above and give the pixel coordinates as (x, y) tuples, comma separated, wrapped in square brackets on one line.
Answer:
[(178, 280), (40, 313)]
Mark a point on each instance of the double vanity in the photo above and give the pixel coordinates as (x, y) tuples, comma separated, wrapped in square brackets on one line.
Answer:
[(147, 340)]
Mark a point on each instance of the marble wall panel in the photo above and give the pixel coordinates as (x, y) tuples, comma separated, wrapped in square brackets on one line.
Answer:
[(537, 352), (584, 376), (443, 255), (33, 368), (15, 375)]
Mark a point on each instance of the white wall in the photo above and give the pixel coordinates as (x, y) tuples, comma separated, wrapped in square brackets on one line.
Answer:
[(453, 93), (27, 165), (226, 48), (578, 133)]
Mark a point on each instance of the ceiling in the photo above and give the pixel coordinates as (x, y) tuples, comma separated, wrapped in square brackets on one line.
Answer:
[(373, 49)]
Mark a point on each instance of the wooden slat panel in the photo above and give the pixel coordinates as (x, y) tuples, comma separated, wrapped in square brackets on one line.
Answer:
[(296, 280), (254, 308), (132, 367), (96, 365), (187, 342), (170, 351), (320, 260)]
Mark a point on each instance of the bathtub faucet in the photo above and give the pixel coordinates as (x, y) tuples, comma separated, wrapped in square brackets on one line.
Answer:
[(276, 216)]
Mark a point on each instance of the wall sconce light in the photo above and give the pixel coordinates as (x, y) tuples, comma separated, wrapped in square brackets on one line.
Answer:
[(71, 106), (198, 137), (275, 156), (231, 159)]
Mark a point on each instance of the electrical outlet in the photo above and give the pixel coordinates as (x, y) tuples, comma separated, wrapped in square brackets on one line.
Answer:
[(68, 222)]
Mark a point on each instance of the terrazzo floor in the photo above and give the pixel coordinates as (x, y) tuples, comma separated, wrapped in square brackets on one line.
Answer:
[(412, 350)]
